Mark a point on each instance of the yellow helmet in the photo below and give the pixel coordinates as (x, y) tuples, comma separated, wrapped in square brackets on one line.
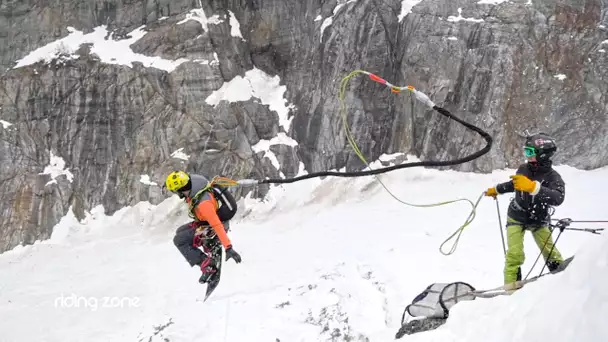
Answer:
[(177, 180)]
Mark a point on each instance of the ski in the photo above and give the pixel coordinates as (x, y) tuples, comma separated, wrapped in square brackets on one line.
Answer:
[(214, 281), (563, 265)]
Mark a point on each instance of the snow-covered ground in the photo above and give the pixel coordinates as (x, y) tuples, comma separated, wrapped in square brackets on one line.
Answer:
[(321, 258)]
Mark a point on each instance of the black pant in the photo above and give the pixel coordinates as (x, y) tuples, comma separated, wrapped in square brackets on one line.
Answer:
[(184, 241)]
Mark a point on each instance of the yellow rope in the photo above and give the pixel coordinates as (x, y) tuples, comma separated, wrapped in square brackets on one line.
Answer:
[(359, 154), (222, 181)]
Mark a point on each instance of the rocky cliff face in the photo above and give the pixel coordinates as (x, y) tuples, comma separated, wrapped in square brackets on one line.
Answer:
[(99, 100)]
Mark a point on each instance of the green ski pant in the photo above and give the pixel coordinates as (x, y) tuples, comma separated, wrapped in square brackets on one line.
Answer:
[(515, 248)]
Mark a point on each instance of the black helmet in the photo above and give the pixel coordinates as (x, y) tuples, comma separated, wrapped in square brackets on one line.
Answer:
[(540, 145)]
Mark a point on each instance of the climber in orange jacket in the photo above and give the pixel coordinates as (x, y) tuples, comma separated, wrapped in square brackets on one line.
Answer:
[(208, 210)]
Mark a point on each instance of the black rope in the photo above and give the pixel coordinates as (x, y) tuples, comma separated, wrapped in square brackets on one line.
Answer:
[(441, 111)]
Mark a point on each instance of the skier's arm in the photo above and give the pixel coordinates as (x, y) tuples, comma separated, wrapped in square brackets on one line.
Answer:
[(508, 186), (505, 187), (551, 192), (205, 211)]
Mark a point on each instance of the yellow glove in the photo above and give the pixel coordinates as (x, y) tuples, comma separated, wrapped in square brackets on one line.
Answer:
[(491, 192), (523, 183)]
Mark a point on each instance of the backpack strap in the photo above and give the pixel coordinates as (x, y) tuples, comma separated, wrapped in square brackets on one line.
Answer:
[(195, 200), (222, 199), (226, 206)]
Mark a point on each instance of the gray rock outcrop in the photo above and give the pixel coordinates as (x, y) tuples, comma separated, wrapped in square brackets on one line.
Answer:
[(125, 91)]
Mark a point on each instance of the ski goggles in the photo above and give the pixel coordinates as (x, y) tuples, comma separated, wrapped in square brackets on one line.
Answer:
[(529, 151)]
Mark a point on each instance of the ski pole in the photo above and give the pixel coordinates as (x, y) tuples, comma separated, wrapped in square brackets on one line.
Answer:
[(551, 251), (561, 225), (504, 248), (582, 221), (588, 230)]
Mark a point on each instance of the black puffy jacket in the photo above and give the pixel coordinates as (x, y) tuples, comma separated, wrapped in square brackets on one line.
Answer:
[(535, 209)]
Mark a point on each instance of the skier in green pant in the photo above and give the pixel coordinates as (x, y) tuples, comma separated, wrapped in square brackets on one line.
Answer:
[(538, 188)]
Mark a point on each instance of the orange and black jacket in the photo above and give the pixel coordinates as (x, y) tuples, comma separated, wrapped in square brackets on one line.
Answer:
[(205, 208)]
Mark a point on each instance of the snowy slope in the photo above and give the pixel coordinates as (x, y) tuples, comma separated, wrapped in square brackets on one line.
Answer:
[(337, 257)]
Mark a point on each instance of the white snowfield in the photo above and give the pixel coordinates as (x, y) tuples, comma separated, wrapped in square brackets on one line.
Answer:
[(335, 257)]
